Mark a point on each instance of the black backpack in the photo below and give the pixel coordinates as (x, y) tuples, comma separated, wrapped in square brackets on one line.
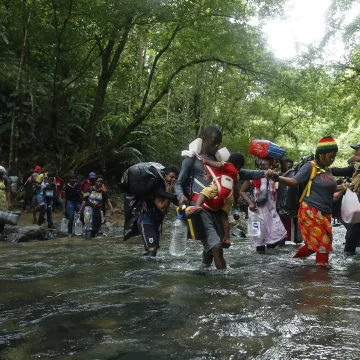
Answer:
[(288, 197), (144, 178)]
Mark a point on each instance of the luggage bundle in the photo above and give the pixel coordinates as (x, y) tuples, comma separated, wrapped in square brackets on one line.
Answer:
[(265, 148)]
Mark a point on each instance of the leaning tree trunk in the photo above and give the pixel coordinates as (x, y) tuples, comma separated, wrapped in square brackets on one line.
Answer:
[(14, 136)]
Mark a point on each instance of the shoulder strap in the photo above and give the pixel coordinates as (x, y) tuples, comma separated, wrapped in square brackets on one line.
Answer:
[(315, 170)]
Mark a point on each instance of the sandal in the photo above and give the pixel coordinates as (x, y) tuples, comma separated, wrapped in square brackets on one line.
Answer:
[(192, 211)]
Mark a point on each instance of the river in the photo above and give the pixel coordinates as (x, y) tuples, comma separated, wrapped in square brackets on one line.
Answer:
[(84, 300)]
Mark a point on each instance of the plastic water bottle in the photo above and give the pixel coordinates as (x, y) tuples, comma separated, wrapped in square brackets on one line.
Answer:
[(179, 236), (253, 225), (64, 224), (78, 227)]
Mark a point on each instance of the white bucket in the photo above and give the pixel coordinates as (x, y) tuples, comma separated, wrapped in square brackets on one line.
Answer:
[(195, 146), (223, 154)]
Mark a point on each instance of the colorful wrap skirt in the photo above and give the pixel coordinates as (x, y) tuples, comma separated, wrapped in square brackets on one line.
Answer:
[(315, 227)]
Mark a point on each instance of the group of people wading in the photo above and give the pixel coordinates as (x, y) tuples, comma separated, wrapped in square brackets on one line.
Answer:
[(197, 188)]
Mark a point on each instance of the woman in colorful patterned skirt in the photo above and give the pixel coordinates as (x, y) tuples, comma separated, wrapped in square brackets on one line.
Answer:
[(92, 206), (317, 201)]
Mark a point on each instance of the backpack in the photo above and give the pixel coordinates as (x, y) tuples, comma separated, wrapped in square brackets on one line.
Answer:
[(289, 198), (144, 178)]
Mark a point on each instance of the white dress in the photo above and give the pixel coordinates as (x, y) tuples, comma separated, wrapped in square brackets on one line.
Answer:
[(271, 226)]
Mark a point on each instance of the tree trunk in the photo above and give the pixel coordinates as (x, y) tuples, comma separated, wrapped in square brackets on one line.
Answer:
[(14, 136), (197, 112), (110, 60)]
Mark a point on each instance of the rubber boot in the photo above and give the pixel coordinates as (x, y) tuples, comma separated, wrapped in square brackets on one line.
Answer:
[(322, 259), (304, 251)]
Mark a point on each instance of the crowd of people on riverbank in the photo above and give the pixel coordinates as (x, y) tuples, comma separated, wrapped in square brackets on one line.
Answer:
[(44, 190), (209, 189)]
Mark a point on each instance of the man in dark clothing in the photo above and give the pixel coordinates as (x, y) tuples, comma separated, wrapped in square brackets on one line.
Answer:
[(352, 237), (192, 179)]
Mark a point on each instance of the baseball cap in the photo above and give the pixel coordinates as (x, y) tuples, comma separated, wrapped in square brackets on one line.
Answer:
[(37, 168), (356, 146), (92, 175)]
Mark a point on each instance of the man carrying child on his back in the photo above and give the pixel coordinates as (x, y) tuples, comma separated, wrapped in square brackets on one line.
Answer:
[(222, 193)]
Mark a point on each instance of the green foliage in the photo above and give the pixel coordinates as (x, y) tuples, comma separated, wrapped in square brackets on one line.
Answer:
[(111, 83)]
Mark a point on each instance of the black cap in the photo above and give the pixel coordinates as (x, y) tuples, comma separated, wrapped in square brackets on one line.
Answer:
[(356, 146), (162, 192)]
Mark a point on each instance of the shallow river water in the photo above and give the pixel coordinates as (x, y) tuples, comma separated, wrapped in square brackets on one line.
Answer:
[(85, 300)]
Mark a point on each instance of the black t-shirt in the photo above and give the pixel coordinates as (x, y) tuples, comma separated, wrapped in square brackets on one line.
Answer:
[(72, 193)]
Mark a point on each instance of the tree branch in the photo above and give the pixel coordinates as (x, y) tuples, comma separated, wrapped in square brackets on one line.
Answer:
[(153, 68), (140, 117), (84, 67), (121, 46)]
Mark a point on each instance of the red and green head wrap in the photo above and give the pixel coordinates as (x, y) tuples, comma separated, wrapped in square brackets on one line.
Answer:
[(326, 145)]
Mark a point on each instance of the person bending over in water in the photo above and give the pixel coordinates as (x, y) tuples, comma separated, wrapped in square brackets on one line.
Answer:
[(222, 193)]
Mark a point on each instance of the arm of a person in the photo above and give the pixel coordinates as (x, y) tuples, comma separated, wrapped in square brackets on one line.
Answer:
[(213, 164), (162, 203), (244, 188), (338, 195), (64, 199), (184, 176), (236, 193), (83, 204), (300, 178), (245, 174), (347, 171)]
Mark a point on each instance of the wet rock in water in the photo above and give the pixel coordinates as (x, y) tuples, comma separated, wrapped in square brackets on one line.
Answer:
[(34, 232), (54, 234), (17, 238), (11, 229), (113, 228)]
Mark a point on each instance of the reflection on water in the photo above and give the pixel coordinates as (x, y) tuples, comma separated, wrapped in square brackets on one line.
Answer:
[(72, 299)]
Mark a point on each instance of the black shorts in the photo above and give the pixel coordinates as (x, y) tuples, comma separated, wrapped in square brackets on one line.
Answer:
[(150, 235)]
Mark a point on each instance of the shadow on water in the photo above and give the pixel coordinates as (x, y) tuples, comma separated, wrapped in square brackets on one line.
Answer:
[(72, 299)]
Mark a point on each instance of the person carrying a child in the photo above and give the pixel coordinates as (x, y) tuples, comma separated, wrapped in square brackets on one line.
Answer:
[(222, 192)]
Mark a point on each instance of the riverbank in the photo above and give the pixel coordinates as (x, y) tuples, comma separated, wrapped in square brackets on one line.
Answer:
[(27, 231)]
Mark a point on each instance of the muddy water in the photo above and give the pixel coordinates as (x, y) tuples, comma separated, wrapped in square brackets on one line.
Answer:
[(72, 299)]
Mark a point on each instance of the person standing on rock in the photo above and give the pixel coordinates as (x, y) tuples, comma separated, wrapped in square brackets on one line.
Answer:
[(5, 196)]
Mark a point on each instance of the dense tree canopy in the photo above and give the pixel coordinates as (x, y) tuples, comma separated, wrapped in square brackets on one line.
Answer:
[(114, 82)]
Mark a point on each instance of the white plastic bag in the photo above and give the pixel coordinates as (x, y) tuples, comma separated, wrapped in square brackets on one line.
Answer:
[(350, 208)]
